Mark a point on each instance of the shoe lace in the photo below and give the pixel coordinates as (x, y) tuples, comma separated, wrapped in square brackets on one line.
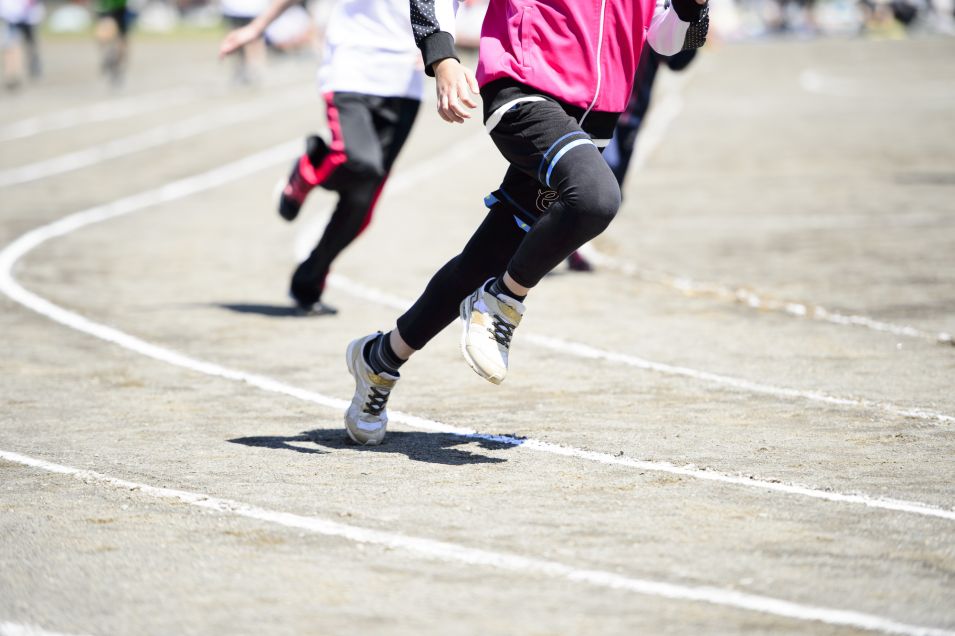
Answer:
[(501, 330), (377, 399)]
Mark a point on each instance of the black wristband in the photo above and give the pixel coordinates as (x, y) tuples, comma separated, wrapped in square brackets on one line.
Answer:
[(436, 47), (688, 10)]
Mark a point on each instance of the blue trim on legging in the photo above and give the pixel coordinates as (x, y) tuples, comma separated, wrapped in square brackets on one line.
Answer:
[(563, 151), (514, 203), (490, 200), (540, 169)]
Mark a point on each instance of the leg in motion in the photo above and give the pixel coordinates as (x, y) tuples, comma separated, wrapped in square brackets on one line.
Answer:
[(369, 142), (484, 257), (316, 166), (564, 194)]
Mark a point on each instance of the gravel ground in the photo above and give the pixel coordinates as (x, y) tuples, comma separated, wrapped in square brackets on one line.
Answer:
[(817, 172)]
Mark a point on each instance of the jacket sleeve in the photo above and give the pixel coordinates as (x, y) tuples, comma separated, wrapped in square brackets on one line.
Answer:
[(432, 22), (678, 25)]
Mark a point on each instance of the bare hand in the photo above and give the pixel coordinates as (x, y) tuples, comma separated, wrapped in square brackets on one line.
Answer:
[(238, 38), (456, 85)]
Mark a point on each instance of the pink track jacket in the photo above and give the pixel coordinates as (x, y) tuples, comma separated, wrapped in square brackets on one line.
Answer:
[(583, 52)]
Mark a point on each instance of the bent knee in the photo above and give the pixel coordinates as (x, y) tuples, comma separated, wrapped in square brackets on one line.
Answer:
[(596, 204), (604, 202)]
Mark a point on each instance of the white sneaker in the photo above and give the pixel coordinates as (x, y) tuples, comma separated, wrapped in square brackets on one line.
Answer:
[(489, 323), (366, 418)]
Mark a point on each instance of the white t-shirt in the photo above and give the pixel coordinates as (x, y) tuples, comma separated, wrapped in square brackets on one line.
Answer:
[(369, 49), (21, 11), (243, 8)]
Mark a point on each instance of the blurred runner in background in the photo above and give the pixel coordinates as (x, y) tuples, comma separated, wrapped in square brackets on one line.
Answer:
[(372, 81), (250, 56), (19, 40), (112, 34)]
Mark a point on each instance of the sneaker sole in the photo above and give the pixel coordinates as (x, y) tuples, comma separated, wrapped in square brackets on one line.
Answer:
[(317, 309), (466, 308)]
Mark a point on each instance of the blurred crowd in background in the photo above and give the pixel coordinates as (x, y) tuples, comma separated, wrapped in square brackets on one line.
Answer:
[(299, 30)]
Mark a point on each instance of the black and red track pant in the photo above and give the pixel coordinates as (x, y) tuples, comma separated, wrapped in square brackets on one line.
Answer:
[(367, 133)]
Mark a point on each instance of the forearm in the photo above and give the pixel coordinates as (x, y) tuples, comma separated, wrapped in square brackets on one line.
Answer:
[(432, 22), (678, 25)]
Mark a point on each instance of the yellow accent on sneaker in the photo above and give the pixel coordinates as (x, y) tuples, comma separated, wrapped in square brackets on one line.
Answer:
[(366, 419), (489, 322)]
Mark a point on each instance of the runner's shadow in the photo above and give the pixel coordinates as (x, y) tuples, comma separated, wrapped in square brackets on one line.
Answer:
[(434, 448), (275, 311)]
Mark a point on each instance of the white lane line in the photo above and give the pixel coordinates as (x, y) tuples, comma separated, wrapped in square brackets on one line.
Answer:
[(112, 109), (580, 350), (662, 115), (585, 351), (456, 553), (759, 300), (11, 254), (19, 629), (106, 110), (158, 136), (307, 238)]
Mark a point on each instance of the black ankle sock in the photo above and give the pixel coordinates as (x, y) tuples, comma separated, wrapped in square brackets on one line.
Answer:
[(497, 286), (381, 357)]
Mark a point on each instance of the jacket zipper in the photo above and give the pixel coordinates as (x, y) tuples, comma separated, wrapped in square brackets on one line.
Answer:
[(600, 44)]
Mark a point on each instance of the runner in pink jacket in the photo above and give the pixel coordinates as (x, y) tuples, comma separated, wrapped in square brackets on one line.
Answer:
[(554, 76), (555, 45)]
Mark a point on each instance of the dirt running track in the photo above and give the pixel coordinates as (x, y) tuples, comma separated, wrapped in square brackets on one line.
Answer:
[(659, 461)]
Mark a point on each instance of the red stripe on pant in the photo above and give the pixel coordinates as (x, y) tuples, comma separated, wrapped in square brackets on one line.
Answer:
[(336, 156), (371, 208)]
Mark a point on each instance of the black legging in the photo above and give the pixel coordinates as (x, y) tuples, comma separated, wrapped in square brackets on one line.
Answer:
[(370, 132), (558, 194)]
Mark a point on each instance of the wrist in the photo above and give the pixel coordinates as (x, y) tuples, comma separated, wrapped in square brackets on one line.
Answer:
[(435, 48), (444, 64)]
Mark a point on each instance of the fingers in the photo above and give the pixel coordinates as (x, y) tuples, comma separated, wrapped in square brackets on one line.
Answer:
[(472, 81), (227, 46), (460, 112), (454, 113), (456, 87), (443, 109), (237, 39), (449, 108), (465, 96)]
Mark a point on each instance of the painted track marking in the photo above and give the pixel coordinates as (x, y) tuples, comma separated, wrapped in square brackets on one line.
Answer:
[(112, 109), (152, 138), (661, 116), (462, 554), (580, 350), (19, 629), (760, 300), (103, 111), (11, 254)]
